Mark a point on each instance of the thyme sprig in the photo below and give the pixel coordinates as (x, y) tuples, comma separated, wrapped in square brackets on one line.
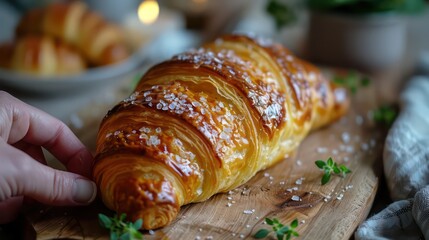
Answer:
[(385, 115), (352, 80), (329, 167), (281, 231), (120, 229)]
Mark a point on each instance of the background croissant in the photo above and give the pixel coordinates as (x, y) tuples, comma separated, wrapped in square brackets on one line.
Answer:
[(205, 122), (99, 41), (41, 55)]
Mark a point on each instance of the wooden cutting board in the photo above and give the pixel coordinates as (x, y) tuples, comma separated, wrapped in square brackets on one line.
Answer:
[(287, 191)]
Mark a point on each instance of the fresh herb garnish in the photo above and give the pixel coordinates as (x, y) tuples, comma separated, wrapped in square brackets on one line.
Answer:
[(352, 81), (119, 228), (385, 115), (281, 13), (282, 232), (330, 167)]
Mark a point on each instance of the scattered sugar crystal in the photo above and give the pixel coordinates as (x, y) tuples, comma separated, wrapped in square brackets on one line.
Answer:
[(350, 149), (322, 150), (345, 136), (248, 212), (364, 147), (295, 198)]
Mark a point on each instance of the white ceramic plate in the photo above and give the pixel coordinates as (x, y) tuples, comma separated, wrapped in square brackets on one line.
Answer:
[(100, 76)]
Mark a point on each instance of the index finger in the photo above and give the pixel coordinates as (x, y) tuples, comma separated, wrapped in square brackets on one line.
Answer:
[(39, 128)]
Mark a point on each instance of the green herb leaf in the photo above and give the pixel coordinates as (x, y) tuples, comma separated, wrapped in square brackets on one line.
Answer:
[(344, 169), (261, 233), (269, 221), (326, 177), (336, 169), (138, 224), (330, 167), (294, 223), (330, 162), (320, 164), (282, 13), (104, 220), (385, 115), (352, 80), (281, 231), (120, 228)]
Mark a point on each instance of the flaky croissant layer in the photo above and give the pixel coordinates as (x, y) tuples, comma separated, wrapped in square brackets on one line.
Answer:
[(205, 122)]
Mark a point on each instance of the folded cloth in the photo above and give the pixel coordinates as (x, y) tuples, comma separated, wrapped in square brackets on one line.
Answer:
[(406, 167)]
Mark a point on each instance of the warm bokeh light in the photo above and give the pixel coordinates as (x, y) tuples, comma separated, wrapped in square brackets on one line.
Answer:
[(148, 11)]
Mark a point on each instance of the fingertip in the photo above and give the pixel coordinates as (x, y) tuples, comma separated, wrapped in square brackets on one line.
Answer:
[(84, 191), (59, 188)]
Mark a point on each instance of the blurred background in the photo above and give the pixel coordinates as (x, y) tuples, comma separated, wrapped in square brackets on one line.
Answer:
[(369, 36)]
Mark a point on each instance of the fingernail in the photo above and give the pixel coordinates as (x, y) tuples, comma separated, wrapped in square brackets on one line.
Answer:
[(84, 191)]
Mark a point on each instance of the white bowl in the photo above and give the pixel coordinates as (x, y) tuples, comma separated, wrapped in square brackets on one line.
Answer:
[(12, 81)]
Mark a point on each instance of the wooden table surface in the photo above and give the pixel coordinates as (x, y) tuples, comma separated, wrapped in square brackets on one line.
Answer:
[(288, 190)]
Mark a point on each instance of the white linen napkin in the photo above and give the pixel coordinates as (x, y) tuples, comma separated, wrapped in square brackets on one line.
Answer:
[(406, 167)]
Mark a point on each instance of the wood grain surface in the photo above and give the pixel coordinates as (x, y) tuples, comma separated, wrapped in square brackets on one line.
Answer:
[(287, 191)]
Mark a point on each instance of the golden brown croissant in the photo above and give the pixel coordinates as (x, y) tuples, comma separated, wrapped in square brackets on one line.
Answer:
[(205, 122), (101, 42), (41, 55)]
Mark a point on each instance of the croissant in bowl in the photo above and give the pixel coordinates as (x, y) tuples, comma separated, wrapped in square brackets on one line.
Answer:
[(99, 41), (41, 55), (205, 122)]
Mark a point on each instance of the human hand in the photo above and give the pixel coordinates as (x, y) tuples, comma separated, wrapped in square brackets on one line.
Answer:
[(24, 130)]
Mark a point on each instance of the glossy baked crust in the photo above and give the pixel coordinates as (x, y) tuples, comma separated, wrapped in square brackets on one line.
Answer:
[(205, 122)]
